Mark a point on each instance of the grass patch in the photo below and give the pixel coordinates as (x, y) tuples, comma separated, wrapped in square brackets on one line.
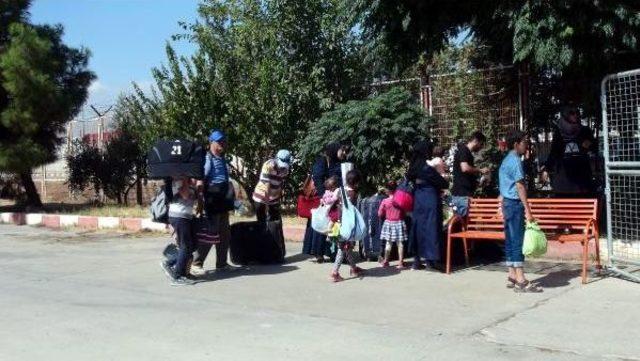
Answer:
[(114, 210)]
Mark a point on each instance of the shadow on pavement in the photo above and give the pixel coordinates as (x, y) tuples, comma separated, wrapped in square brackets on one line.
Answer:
[(257, 270), (380, 272)]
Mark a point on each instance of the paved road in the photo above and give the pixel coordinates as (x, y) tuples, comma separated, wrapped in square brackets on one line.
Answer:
[(68, 296)]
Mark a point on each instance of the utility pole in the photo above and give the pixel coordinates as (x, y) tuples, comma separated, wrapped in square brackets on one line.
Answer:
[(101, 124), (101, 115)]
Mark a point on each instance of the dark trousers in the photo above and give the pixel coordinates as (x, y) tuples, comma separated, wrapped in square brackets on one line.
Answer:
[(269, 213), (186, 244), (220, 222)]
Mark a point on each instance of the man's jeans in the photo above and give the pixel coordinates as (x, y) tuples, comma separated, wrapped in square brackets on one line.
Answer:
[(461, 205), (513, 211)]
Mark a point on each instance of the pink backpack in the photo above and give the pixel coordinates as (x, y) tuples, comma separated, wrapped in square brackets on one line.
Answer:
[(403, 196)]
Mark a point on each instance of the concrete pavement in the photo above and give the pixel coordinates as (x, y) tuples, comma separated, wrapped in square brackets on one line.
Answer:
[(96, 296)]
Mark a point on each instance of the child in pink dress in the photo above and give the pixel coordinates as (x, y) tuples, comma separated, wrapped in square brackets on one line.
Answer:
[(394, 230)]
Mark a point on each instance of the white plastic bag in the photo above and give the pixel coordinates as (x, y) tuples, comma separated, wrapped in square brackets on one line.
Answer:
[(320, 221), (344, 169)]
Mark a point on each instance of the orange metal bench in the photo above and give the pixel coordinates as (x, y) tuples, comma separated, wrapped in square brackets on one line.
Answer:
[(562, 220)]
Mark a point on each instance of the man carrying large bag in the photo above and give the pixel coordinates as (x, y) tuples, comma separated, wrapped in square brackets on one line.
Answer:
[(218, 196)]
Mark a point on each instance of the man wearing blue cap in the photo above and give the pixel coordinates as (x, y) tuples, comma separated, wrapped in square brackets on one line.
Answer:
[(268, 191), (218, 201)]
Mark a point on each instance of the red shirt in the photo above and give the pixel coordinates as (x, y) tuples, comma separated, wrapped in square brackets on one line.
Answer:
[(389, 211)]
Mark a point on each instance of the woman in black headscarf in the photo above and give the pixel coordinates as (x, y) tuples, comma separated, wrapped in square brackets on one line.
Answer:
[(426, 226), (325, 166)]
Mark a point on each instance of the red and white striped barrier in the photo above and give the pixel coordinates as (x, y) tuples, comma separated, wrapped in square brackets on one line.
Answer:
[(86, 222)]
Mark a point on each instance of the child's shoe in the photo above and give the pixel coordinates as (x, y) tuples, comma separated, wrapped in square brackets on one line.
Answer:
[(356, 271), (335, 277), (384, 264)]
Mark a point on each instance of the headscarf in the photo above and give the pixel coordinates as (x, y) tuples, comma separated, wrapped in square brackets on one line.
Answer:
[(420, 153), (331, 152)]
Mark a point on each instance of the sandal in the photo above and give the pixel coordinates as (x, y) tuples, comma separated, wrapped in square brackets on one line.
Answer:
[(356, 271), (527, 287), (511, 282)]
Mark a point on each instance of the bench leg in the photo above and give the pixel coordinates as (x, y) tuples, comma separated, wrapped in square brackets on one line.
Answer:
[(598, 264), (466, 251), (585, 257), (448, 270)]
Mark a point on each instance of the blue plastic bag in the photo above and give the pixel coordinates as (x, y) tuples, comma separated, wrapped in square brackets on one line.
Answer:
[(353, 227)]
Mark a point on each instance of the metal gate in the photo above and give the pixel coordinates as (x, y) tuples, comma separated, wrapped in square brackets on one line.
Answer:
[(620, 99)]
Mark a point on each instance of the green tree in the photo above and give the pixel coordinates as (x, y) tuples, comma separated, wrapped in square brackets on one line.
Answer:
[(115, 169), (567, 45), (43, 84), (263, 71), (381, 129), (559, 34)]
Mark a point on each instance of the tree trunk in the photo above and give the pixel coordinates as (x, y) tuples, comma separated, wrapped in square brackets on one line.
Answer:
[(33, 198), (139, 191)]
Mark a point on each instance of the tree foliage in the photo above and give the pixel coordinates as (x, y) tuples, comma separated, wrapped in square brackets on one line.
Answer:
[(381, 130), (562, 35), (114, 169), (263, 71), (43, 84)]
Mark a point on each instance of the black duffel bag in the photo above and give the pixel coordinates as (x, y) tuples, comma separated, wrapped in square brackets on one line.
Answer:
[(176, 158)]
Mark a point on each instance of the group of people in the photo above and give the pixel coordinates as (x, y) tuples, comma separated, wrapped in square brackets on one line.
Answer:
[(420, 232), (213, 198), (429, 178)]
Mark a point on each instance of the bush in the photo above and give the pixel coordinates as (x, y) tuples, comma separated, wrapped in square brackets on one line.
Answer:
[(113, 170), (380, 129)]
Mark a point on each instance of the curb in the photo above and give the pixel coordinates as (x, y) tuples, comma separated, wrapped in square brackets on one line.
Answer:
[(567, 251), (57, 221)]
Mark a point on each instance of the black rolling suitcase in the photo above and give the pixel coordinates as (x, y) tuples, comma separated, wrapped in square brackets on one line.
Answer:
[(257, 242), (176, 158)]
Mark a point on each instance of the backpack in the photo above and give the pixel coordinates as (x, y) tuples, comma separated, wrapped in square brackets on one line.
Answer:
[(352, 227), (159, 207), (403, 196)]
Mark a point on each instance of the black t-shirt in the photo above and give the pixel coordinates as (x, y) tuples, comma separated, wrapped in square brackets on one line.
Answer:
[(464, 184)]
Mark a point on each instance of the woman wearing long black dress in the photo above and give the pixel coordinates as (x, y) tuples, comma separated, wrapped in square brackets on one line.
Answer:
[(325, 166), (425, 236)]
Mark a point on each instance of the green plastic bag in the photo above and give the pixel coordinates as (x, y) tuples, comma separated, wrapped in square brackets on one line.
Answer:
[(535, 241)]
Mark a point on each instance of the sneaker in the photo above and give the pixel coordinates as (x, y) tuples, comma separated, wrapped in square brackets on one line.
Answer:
[(335, 277), (228, 267), (182, 281), (166, 267), (197, 270)]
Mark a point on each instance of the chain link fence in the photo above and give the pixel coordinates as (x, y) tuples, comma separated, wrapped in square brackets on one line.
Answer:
[(620, 97)]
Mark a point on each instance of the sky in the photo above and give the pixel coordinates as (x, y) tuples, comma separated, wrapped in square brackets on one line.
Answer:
[(126, 38)]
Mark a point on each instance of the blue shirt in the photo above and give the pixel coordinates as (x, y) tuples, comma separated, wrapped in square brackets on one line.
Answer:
[(510, 173), (215, 170)]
